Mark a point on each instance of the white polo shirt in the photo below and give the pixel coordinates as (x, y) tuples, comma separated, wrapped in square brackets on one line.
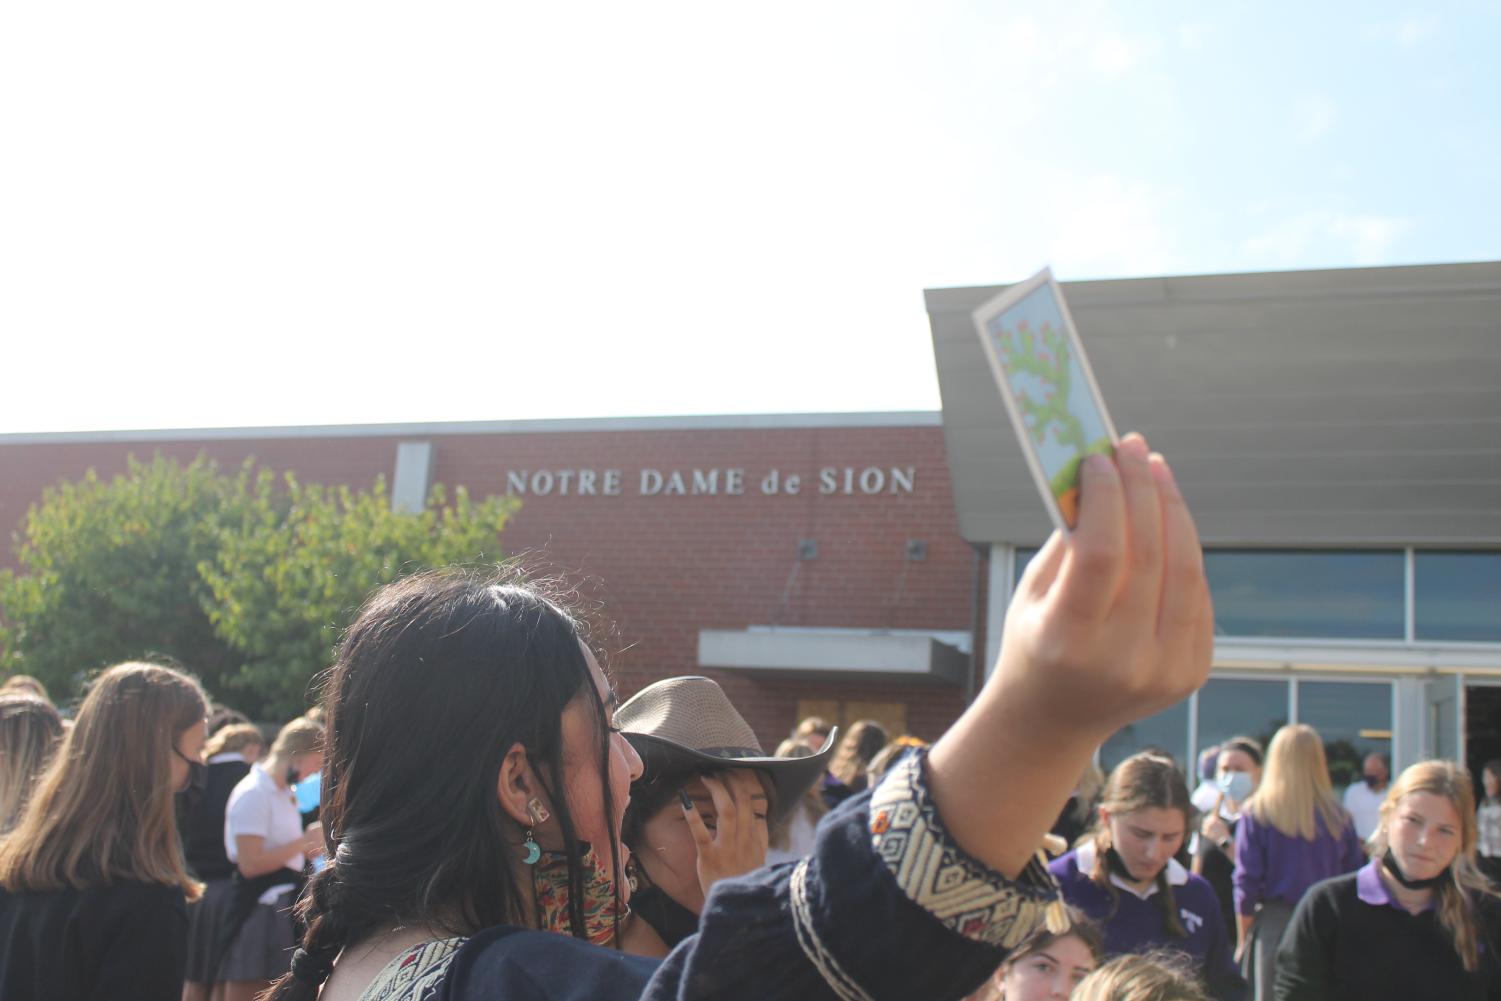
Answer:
[(258, 806)]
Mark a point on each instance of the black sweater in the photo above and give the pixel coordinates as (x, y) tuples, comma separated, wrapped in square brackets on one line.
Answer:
[(203, 827), (1338, 947), (129, 940)]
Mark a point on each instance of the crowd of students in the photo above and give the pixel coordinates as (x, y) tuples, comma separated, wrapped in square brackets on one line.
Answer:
[(493, 823)]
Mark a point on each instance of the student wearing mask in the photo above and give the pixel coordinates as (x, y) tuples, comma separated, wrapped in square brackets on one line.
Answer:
[(1363, 799), (847, 771), (30, 730), (94, 895), (462, 709), (1417, 921), (693, 743), (1292, 834), (265, 840), (1049, 965), (1127, 879), (1237, 775)]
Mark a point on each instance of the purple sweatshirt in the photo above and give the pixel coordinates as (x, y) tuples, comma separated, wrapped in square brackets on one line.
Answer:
[(1137, 925), (1270, 865)]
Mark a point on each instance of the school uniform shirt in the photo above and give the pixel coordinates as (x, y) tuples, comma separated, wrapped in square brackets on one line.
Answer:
[(1488, 825), (108, 943), (203, 827), (1348, 940), (258, 806), (1364, 805), (1137, 924), (1270, 865)]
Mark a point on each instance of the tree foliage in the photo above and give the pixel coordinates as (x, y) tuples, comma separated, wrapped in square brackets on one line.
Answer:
[(245, 579)]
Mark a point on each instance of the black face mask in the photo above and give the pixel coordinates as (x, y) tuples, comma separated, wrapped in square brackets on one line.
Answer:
[(1374, 781), (1117, 865), (197, 782), (1390, 861), (292, 776)]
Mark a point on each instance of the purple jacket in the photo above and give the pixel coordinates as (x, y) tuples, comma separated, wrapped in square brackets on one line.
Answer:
[(1270, 865)]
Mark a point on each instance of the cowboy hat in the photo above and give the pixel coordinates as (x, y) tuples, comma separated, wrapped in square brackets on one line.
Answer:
[(687, 726)]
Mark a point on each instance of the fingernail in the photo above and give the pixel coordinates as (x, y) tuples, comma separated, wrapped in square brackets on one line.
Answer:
[(1135, 444), (683, 795)]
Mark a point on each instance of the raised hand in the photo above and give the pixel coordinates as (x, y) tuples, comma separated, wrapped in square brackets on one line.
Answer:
[(1106, 627), (739, 839)]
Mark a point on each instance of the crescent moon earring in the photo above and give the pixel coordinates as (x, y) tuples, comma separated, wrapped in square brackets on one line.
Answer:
[(533, 850)]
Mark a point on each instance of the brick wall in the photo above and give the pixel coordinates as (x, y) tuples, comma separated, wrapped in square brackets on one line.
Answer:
[(664, 566)]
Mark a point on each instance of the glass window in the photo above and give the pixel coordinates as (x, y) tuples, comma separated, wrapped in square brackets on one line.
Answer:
[(1353, 717), (1333, 595), (1167, 730), (1457, 596), (1024, 556), (1232, 707)]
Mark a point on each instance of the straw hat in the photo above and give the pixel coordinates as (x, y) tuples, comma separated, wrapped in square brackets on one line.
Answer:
[(688, 726)]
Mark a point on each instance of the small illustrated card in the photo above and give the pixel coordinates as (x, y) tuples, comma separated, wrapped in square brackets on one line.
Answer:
[(1045, 379)]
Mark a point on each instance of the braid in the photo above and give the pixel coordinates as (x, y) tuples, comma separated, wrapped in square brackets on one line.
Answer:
[(1169, 906), (328, 931)]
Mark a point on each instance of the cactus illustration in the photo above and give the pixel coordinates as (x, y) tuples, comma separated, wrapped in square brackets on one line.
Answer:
[(1046, 356)]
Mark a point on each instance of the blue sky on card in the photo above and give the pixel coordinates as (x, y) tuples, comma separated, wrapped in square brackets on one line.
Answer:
[(356, 212)]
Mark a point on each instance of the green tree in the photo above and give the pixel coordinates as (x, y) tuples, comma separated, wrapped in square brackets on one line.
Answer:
[(108, 571), (246, 580), (289, 576)]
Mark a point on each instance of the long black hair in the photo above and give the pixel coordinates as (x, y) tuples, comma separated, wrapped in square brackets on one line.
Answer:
[(439, 676)]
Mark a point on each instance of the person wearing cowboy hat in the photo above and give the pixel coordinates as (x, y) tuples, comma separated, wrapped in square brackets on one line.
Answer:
[(698, 756)]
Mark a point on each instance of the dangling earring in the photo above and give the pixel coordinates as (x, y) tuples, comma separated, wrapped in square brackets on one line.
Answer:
[(538, 814)]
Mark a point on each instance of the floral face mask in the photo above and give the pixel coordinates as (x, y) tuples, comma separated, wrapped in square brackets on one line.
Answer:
[(602, 903)]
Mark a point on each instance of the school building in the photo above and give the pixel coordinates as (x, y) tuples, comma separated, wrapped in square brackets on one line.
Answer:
[(1337, 433)]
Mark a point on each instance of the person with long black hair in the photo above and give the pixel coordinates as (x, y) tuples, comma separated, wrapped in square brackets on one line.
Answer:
[(471, 733)]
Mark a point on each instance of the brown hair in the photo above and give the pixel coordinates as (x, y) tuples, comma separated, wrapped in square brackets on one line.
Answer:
[(103, 810), (234, 738), (810, 726), (856, 749), (1457, 896), (1155, 976), (1144, 781), (24, 684), (1079, 927), (29, 732)]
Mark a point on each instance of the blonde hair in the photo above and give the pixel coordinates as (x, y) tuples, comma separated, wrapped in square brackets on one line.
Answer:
[(234, 738), (1458, 895), (1144, 781), (1155, 976), (864, 741), (30, 730), (301, 736), (811, 803), (103, 810), (1295, 792)]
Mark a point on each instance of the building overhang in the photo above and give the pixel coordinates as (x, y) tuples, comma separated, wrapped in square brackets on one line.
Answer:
[(905, 656)]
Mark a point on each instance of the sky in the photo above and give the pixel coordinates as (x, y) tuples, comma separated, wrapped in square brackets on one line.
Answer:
[(273, 213)]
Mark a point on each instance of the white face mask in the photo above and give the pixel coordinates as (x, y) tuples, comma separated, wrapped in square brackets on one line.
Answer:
[(1235, 785)]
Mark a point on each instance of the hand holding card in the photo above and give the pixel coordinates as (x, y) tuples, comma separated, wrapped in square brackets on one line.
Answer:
[(1048, 387)]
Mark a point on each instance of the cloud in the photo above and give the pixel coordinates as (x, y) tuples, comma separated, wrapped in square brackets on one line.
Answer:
[(1115, 54), (1192, 35), (1324, 237), (1314, 116)]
